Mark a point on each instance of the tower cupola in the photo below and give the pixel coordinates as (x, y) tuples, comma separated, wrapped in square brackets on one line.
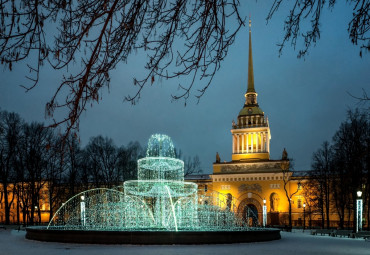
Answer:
[(251, 133)]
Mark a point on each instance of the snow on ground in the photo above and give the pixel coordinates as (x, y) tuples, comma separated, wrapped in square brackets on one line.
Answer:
[(14, 242)]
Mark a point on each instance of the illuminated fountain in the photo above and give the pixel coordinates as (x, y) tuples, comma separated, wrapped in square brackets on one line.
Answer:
[(158, 208)]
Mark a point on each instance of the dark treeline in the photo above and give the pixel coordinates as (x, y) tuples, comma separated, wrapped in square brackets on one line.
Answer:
[(340, 169), (37, 165)]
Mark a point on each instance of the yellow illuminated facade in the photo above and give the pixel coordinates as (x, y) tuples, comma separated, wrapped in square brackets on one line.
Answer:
[(251, 177)]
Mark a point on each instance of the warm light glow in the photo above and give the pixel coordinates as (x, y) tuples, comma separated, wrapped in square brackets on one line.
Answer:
[(359, 193), (304, 205)]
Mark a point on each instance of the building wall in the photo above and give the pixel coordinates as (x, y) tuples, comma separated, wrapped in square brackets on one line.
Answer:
[(17, 208)]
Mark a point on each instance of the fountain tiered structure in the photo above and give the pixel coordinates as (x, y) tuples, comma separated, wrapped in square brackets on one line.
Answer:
[(158, 208), (160, 199)]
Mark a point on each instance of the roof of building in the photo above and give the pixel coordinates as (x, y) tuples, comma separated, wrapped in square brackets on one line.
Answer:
[(250, 110), (198, 177)]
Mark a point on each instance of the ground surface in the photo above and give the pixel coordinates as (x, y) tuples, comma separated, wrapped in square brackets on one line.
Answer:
[(14, 242)]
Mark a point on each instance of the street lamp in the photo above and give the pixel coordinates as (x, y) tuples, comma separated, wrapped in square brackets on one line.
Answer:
[(264, 213), (304, 216), (359, 211), (83, 216)]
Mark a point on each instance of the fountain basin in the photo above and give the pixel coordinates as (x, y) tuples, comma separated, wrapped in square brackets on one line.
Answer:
[(151, 237)]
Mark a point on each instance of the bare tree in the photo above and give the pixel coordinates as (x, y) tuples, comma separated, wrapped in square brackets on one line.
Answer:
[(102, 157), (340, 187), (10, 132), (321, 174), (127, 160), (97, 35), (350, 143), (33, 164), (312, 10), (311, 197), (192, 166), (286, 167), (73, 159), (55, 170)]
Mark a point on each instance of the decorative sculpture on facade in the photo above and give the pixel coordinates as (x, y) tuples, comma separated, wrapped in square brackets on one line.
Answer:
[(274, 202), (285, 155), (218, 159)]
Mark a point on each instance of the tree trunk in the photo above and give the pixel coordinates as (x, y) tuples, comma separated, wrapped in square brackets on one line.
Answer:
[(51, 206), (322, 218), (290, 215), (327, 216), (18, 214), (6, 204)]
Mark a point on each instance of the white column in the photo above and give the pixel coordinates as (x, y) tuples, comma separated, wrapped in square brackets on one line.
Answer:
[(252, 142), (247, 143), (257, 137), (233, 143), (268, 142), (237, 148), (242, 143)]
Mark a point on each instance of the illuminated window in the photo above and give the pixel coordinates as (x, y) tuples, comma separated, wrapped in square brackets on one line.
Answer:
[(299, 203)]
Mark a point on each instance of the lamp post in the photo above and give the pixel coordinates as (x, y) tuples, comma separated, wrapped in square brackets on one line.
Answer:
[(83, 216), (264, 213), (359, 211), (304, 216)]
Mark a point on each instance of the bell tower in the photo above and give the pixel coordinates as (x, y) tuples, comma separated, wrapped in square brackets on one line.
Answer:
[(251, 134)]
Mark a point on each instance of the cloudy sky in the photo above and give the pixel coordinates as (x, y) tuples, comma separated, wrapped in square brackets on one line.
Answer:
[(305, 99)]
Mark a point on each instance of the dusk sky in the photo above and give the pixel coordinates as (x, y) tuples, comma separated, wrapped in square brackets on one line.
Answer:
[(304, 99)]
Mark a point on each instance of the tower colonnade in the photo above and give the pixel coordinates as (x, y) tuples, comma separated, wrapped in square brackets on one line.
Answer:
[(251, 142), (251, 121)]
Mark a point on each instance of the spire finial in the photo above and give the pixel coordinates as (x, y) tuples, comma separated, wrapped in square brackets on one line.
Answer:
[(250, 62)]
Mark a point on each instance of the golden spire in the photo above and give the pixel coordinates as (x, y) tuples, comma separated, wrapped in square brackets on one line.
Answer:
[(250, 62)]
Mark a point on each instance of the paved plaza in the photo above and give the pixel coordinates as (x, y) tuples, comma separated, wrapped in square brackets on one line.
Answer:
[(14, 242)]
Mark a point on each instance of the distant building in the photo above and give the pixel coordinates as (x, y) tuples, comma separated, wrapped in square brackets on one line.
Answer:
[(251, 178)]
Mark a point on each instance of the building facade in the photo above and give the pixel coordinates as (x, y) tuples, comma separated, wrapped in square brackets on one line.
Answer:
[(251, 177)]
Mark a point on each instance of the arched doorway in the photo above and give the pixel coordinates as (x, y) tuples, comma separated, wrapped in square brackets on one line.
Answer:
[(251, 214), (251, 211)]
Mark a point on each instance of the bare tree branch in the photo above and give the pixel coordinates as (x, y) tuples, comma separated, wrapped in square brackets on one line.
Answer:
[(97, 35), (301, 10)]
